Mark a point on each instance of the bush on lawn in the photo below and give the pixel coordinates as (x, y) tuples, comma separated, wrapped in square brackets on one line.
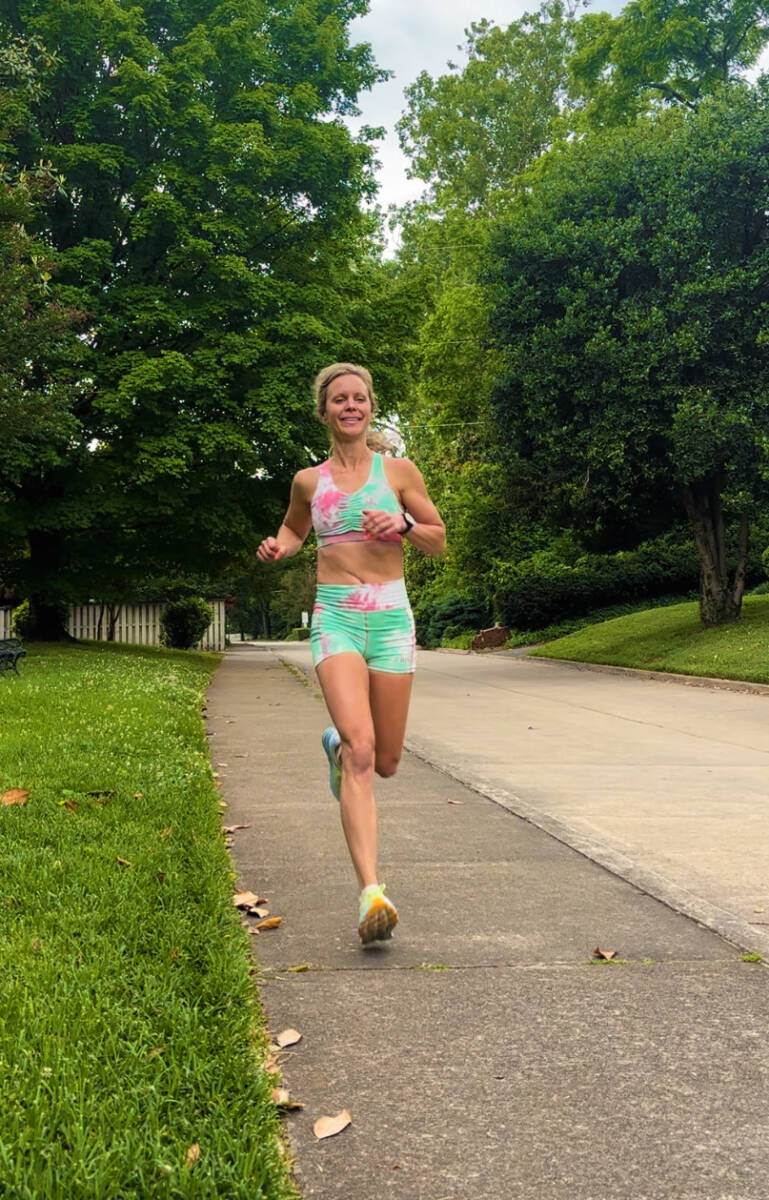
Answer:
[(184, 622)]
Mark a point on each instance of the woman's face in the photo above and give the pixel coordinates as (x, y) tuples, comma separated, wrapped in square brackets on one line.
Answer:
[(348, 406)]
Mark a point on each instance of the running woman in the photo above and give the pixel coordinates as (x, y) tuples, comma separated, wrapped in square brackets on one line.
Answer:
[(361, 505)]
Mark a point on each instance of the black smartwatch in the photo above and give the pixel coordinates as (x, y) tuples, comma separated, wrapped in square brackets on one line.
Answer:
[(409, 523)]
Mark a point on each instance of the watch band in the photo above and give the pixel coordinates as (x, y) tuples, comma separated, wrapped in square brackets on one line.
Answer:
[(410, 523)]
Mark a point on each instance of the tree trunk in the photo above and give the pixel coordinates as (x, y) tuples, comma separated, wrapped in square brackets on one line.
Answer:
[(114, 613), (266, 623), (48, 616), (720, 596)]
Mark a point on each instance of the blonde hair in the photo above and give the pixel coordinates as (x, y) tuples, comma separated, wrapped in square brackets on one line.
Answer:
[(326, 377)]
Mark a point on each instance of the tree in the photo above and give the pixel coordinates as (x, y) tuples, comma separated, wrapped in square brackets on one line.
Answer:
[(662, 52), (469, 132), (631, 308), (37, 334), (209, 224)]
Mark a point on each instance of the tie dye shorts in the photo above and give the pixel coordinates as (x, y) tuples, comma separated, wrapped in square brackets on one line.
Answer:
[(370, 619)]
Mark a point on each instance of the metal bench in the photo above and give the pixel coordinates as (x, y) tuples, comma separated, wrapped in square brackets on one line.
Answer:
[(11, 650)]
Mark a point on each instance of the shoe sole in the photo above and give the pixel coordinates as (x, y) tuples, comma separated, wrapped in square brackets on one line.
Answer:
[(379, 922)]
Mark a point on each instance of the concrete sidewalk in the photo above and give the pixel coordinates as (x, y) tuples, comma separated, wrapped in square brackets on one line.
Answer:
[(665, 783), (481, 1055)]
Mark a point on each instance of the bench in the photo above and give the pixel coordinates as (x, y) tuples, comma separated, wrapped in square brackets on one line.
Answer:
[(11, 650)]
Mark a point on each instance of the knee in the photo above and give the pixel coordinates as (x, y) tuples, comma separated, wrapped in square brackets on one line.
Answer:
[(387, 765), (358, 753)]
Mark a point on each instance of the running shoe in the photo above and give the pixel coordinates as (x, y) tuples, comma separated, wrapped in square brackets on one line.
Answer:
[(378, 916), (331, 742)]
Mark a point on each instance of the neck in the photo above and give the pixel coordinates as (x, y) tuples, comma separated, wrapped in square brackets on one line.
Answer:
[(350, 455)]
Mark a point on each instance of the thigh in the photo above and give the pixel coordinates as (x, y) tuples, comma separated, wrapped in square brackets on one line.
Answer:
[(344, 681), (389, 696)]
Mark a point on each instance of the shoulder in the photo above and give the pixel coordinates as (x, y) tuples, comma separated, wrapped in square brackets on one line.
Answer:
[(402, 472), (305, 482)]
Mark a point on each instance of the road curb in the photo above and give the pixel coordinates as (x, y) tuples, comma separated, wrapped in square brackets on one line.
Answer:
[(701, 681), (730, 927)]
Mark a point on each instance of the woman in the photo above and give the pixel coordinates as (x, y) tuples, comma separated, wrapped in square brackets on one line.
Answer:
[(361, 506)]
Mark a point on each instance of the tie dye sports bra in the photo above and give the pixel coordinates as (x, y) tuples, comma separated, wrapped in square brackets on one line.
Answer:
[(337, 516)]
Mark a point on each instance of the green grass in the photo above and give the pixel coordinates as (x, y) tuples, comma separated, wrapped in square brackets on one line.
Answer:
[(672, 639), (129, 1025)]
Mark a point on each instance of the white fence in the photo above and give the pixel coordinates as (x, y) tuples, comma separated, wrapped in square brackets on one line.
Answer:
[(137, 623)]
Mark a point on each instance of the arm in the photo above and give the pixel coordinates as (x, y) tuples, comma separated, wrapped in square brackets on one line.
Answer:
[(296, 525), (429, 532)]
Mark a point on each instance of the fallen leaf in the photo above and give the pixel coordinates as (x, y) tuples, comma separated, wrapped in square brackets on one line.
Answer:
[(245, 899), (759, 909), (14, 796), (138, 795), (300, 967), (289, 1037), (70, 806), (193, 1154), (222, 764), (326, 1127), (153, 1053), (217, 783), (124, 862), (607, 954), (160, 876), (282, 1099), (270, 923), (164, 833), (259, 911), (455, 802), (35, 945), (235, 828), (271, 1065)]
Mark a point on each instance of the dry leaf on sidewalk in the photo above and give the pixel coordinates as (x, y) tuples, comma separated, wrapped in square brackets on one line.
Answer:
[(289, 1037), (259, 911), (14, 796), (270, 923), (282, 1099), (606, 954), (235, 828), (246, 899), (326, 1127)]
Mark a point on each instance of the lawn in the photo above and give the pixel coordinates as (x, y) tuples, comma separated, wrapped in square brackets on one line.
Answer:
[(130, 1031), (672, 639)]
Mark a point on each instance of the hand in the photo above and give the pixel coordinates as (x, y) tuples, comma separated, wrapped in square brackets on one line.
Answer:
[(270, 550), (380, 524)]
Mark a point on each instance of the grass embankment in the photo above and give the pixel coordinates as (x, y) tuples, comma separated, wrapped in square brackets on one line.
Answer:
[(672, 639), (129, 1030)]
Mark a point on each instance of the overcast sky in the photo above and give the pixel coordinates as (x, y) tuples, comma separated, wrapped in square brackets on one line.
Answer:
[(409, 36)]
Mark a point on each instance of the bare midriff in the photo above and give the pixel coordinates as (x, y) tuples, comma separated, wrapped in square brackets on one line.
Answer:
[(360, 562)]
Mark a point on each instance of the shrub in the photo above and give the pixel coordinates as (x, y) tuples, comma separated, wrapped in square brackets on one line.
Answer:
[(449, 617), (21, 621), (542, 591), (184, 622), (299, 634)]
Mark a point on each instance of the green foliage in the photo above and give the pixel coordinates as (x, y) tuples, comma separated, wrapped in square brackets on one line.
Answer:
[(299, 634), (448, 617), (469, 131), (20, 620), (662, 51), (542, 590), (184, 622), (209, 223), (631, 305)]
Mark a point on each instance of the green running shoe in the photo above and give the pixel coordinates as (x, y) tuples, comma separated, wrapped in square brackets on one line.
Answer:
[(331, 742)]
